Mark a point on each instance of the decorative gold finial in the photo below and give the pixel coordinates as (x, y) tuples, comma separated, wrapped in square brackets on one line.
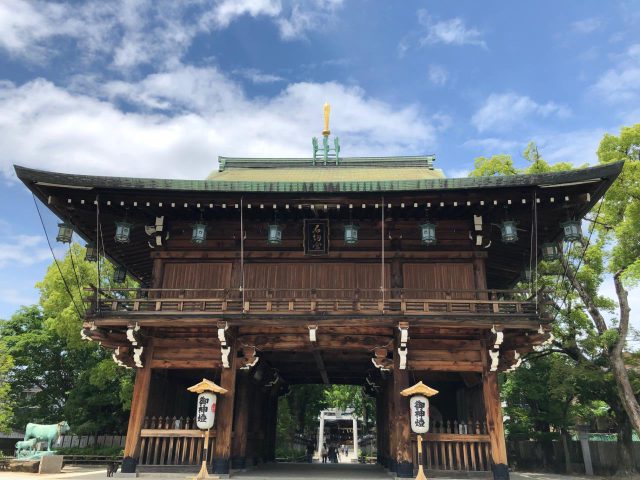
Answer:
[(327, 112)]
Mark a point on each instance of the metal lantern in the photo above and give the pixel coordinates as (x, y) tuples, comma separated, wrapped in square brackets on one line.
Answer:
[(119, 274), (199, 233), (550, 251), (527, 274), (509, 231), (91, 254), (572, 230), (351, 234), (123, 232), (428, 233), (65, 232), (274, 234)]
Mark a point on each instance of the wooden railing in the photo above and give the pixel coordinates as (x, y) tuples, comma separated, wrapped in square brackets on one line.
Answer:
[(313, 301), (172, 441), (456, 447)]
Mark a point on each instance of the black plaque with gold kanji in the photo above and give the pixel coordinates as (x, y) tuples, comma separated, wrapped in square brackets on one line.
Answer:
[(316, 237)]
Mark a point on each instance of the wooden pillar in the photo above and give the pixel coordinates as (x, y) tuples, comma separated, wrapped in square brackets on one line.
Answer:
[(379, 427), (157, 274), (255, 445), (491, 394), (224, 415), (404, 454), (138, 410), (391, 430), (243, 407), (273, 423)]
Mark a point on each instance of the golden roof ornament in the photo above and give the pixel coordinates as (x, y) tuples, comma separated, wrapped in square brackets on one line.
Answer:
[(327, 113), (419, 389), (325, 153), (207, 386)]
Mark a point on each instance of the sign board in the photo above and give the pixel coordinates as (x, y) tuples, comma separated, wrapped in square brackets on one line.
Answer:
[(419, 406), (206, 410), (316, 237)]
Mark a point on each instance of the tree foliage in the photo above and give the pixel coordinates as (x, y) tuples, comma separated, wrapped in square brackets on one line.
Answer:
[(584, 366), (56, 375)]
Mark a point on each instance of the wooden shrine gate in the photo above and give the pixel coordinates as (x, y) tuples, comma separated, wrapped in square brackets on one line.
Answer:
[(365, 271)]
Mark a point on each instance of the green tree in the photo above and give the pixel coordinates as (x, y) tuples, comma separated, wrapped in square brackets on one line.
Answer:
[(574, 283), (6, 408), (56, 374)]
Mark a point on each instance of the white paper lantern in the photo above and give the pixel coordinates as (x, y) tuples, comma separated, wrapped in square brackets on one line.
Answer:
[(206, 410), (419, 406)]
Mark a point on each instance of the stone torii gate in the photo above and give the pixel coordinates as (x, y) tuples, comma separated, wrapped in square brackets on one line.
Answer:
[(335, 415)]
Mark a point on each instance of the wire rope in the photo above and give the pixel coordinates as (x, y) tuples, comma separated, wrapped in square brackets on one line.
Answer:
[(64, 281)]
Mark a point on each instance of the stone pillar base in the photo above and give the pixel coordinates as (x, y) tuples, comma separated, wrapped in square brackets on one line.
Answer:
[(500, 472)]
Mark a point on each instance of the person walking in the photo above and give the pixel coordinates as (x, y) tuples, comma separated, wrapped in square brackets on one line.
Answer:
[(310, 450), (324, 453)]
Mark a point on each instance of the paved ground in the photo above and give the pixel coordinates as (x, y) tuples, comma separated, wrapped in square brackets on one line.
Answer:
[(276, 471)]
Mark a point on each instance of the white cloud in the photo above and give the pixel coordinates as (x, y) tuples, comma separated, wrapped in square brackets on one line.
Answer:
[(492, 145), (438, 75), (228, 10), (256, 76), (458, 173), (185, 118), (586, 26), (449, 32), (129, 33), (577, 147), (506, 110), (621, 84), (23, 250), (306, 15)]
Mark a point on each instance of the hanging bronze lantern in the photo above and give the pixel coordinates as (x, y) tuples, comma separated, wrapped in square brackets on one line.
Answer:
[(123, 232), (550, 251), (65, 232), (351, 234), (119, 274), (274, 234), (428, 234), (199, 233), (572, 230), (91, 253), (509, 231)]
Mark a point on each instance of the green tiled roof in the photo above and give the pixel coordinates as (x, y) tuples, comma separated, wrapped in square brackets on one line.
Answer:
[(255, 183)]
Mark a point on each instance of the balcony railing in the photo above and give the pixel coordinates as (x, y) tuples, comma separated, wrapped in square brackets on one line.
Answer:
[(410, 302)]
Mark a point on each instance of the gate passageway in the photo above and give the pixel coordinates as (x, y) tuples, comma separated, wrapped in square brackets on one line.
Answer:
[(314, 471)]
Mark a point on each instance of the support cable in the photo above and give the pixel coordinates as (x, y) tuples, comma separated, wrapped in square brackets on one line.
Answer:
[(382, 256), (75, 273), (242, 249), (64, 281), (98, 252)]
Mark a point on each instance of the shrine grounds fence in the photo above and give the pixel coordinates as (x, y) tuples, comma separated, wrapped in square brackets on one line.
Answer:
[(527, 455)]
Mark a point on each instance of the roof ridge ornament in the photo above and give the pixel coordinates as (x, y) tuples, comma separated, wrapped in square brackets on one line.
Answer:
[(325, 150)]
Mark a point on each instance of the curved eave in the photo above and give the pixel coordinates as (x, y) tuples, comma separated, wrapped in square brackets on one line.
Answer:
[(606, 173)]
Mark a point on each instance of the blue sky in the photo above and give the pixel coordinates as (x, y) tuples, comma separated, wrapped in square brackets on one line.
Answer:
[(161, 88)]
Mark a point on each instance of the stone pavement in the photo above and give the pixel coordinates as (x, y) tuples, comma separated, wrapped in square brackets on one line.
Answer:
[(277, 471)]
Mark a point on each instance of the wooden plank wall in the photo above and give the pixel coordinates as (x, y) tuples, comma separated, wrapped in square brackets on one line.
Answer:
[(197, 275), (440, 276), (335, 276)]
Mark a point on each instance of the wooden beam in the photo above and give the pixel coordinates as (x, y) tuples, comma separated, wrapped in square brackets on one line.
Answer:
[(241, 420), (185, 364), (197, 319), (138, 411), (495, 427), (402, 420), (224, 416), (324, 342)]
